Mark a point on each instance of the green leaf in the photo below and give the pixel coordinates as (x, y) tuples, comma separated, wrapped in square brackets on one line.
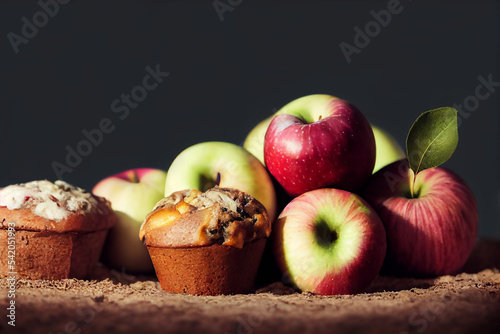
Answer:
[(432, 139)]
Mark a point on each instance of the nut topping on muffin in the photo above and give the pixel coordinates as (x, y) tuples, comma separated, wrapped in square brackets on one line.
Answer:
[(60, 229), (54, 201), (191, 218)]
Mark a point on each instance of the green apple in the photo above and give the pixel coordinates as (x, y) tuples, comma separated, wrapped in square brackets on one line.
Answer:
[(254, 142), (133, 194), (204, 165), (387, 148)]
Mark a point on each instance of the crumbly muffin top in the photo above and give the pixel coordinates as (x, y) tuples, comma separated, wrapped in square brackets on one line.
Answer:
[(54, 201), (191, 218)]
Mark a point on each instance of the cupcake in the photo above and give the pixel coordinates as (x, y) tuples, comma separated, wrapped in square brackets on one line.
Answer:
[(207, 243), (59, 230)]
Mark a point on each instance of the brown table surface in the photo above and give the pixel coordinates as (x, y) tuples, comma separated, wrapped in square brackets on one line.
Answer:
[(116, 302)]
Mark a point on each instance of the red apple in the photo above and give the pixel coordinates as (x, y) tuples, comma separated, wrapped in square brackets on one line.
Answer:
[(329, 241), (325, 143), (431, 233)]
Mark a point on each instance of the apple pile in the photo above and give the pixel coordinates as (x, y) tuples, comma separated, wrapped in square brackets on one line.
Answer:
[(345, 224), (352, 202)]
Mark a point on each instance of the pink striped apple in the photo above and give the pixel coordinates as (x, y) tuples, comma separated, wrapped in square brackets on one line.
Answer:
[(321, 141), (329, 241), (431, 233), (133, 194)]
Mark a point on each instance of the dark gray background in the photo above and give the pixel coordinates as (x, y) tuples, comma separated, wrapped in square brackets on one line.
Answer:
[(228, 75)]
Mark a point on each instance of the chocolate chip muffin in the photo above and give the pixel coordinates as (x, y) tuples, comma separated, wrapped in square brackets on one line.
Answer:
[(207, 243)]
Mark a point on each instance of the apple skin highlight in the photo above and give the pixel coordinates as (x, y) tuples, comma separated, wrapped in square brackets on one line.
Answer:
[(431, 234), (346, 263)]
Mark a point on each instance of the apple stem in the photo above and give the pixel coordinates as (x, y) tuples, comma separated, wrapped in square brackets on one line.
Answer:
[(217, 180), (134, 177), (320, 117), (412, 184)]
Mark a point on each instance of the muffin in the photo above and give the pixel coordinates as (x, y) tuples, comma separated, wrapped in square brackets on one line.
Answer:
[(59, 230), (207, 243)]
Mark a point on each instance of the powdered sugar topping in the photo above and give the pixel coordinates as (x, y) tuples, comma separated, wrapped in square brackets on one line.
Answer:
[(46, 199)]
